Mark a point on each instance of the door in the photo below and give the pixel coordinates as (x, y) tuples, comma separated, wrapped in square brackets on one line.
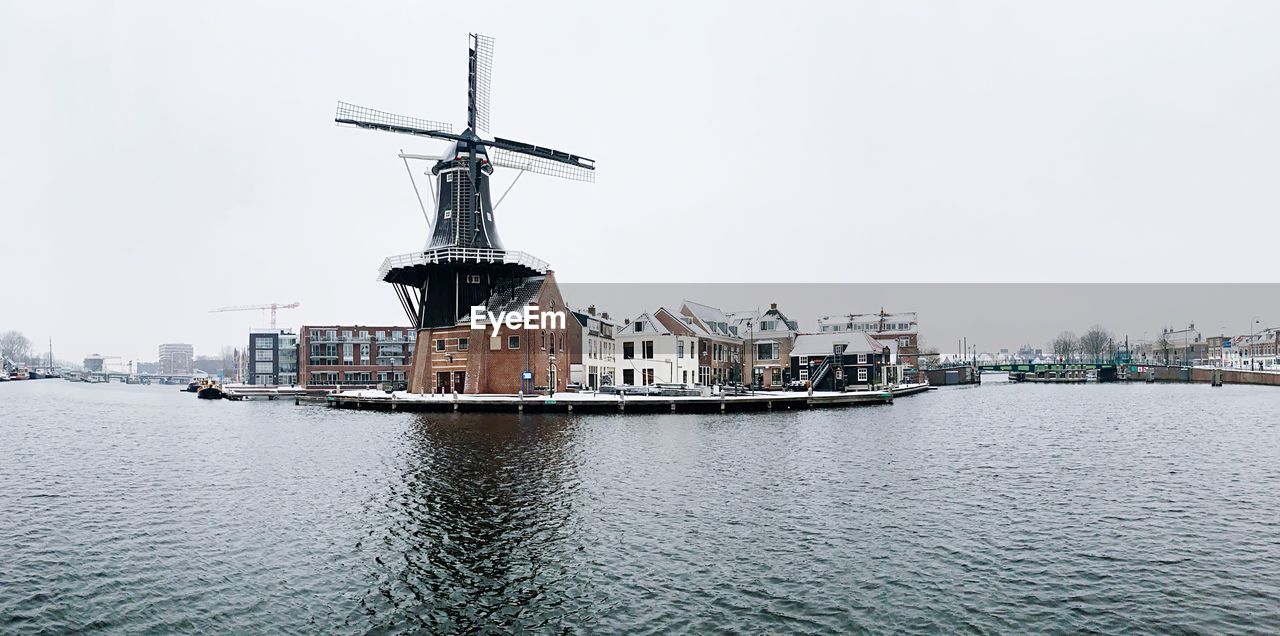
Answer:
[(442, 381), (460, 381)]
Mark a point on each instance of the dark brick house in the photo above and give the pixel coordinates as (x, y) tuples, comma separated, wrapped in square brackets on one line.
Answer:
[(838, 361)]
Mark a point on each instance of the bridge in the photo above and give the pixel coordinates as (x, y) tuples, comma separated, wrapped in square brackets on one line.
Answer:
[(159, 378), (1032, 367)]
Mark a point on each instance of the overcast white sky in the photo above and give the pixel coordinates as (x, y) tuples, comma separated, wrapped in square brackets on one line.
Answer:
[(158, 159)]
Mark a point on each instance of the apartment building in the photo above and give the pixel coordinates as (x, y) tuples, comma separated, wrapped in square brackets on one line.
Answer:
[(272, 357), (353, 356), (594, 363), (901, 328), (176, 359)]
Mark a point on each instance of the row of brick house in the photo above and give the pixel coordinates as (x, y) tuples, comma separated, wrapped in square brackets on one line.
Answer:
[(689, 344)]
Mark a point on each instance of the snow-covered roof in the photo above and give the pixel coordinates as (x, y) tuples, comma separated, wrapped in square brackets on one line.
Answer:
[(822, 344)]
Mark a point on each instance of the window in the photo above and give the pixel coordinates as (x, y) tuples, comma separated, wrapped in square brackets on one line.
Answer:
[(473, 279), (332, 334), (439, 344), (513, 342), (263, 367), (679, 348), (704, 347), (639, 326), (315, 334), (904, 341), (862, 358), (364, 335), (646, 376), (628, 376), (463, 344), (804, 374), (767, 351), (647, 351), (264, 354), (264, 343), (768, 325), (380, 335), (776, 376), (346, 333), (628, 350), (862, 375)]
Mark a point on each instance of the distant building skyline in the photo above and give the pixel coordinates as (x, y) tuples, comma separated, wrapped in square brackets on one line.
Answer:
[(175, 358)]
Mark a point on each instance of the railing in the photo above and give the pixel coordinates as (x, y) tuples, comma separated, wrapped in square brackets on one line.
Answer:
[(465, 254), (328, 339), (820, 371)]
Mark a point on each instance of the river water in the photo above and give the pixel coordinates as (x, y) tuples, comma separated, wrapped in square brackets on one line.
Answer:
[(1000, 508)]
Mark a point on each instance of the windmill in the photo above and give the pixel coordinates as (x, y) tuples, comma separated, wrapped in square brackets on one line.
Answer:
[(464, 256)]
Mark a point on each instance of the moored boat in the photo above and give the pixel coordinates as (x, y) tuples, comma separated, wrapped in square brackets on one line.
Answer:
[(210, 391)]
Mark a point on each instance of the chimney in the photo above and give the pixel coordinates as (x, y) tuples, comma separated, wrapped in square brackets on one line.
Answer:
[(773, 306), (626, 321), (605, 315), (591, 310)]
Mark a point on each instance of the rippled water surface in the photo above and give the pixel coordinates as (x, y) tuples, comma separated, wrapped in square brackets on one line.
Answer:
[(1001, 508)]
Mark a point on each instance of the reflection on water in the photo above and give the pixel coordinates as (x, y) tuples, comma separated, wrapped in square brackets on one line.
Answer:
[(476, 526), (997, 509)]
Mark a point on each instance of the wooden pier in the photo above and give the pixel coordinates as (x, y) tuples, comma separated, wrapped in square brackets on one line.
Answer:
[(244, 392)]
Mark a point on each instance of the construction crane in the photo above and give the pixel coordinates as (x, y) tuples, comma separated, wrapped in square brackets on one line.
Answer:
[(273, 307)]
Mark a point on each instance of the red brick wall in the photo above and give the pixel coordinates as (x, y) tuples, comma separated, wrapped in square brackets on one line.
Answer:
[(499, 370)]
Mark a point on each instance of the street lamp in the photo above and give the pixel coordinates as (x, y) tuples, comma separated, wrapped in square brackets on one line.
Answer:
[(1253, 335)]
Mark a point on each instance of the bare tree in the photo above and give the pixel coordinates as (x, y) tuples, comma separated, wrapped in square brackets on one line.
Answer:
[(1094, 342), (14, 346), (1163, 345), (928, 357), (1065, 346)]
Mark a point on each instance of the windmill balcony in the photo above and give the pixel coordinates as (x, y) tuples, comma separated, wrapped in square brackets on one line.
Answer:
[(461, 254)]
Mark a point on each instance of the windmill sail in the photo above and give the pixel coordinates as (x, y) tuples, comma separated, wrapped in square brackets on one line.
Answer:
[(479, 78), (354, 115), (540, 160)]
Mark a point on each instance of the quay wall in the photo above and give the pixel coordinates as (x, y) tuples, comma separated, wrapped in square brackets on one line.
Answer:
[(1229, 376)]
